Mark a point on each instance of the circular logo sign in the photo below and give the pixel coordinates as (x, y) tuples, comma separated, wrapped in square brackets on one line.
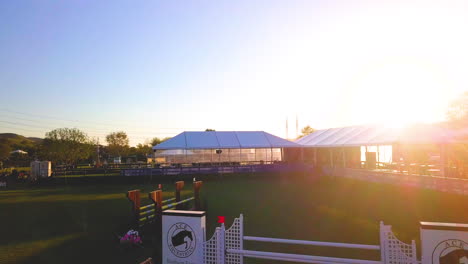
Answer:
[(450, 251), (181, 240)]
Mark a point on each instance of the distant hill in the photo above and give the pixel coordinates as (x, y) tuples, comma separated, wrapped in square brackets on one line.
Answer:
[(11, 135), (15, 139), (35, 139)]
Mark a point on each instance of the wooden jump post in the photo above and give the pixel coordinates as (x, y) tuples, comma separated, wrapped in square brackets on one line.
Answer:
[(178, 188), (154, 210), (196, 193), (134, 197), (156, 197)]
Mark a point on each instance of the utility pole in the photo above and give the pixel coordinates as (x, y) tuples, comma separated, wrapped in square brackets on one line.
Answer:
[(98, 162), (286, 128)]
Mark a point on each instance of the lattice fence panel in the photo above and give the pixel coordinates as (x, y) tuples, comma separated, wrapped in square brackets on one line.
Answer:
[(395, 251), (234, 241), (213, 249)]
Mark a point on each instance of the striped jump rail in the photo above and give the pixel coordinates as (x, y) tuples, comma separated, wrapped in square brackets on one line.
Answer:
[(149, 214), (143, 208), (151, 211), (177, 203)]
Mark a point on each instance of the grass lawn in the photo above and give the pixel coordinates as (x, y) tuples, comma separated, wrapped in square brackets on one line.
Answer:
[(9, 170), (78, 224)]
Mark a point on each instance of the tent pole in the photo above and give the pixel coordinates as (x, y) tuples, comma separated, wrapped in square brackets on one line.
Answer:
[(365, 157), (271, 155), (315, 156), (255, 155), (378, 157), (344, 158), (443, 159)]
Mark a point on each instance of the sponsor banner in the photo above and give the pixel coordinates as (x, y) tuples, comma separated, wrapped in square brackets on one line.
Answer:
[(444, 243), (183, 234)]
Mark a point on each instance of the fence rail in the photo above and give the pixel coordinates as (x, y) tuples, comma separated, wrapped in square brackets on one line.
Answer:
[(217, 169), (442, 184), (311, 243), (299, 258), (230, 242)]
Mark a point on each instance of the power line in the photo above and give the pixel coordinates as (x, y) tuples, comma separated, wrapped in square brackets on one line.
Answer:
[(35, 131), (89, 122), (42, 130), (90, 135), (103, 132)]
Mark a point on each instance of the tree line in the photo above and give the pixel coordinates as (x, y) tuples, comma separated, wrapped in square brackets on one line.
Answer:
[(70, 146)]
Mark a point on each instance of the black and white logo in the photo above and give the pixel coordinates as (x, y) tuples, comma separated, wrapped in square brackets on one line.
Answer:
[(181, 240), (451, 251)]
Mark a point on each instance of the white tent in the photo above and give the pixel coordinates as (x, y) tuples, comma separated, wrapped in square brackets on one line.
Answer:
[(225, 140), (18, 151), (377, 135)]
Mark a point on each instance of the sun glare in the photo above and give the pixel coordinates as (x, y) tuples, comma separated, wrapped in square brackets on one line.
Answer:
[(397, 93)]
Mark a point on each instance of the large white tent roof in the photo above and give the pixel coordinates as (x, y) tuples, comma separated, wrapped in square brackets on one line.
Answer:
[(225, 139), (378, 135)]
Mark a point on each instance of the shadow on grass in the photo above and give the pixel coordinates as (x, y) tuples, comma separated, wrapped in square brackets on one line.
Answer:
[(325, 209), (22, 252)]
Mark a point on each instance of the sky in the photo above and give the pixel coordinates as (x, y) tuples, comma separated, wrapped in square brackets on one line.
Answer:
[(158, 68)]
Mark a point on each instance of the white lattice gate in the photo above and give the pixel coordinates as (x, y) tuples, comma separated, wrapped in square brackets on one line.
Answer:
[(393, 250), (226, 247), (213, 248), (234, 240)]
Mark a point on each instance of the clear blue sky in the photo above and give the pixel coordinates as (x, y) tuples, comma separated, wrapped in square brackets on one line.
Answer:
[(156, 68)]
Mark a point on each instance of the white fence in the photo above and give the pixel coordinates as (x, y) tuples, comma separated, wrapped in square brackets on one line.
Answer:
[(226, 247), (442, 184)]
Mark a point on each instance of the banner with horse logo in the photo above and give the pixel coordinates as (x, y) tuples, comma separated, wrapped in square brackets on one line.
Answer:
[(183, 236)]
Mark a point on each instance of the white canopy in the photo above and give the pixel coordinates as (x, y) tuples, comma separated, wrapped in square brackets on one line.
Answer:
[(224, 140), (18, 151), (378, 135)]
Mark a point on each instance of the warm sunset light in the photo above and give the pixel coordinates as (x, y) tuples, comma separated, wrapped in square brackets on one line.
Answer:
[(234, 132), (399, 93), (332, 63)]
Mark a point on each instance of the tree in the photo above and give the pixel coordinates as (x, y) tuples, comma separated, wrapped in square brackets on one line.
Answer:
[(118, 143), (306, 131), (143, 149), (4, 150), (209, 129), (155, 141), (66, 145), (457, 114)]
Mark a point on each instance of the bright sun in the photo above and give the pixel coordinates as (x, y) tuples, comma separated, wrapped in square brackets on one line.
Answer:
[(400, 92)]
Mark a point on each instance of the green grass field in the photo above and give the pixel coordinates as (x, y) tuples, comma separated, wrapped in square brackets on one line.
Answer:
[(9, 170), (78, 224)]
